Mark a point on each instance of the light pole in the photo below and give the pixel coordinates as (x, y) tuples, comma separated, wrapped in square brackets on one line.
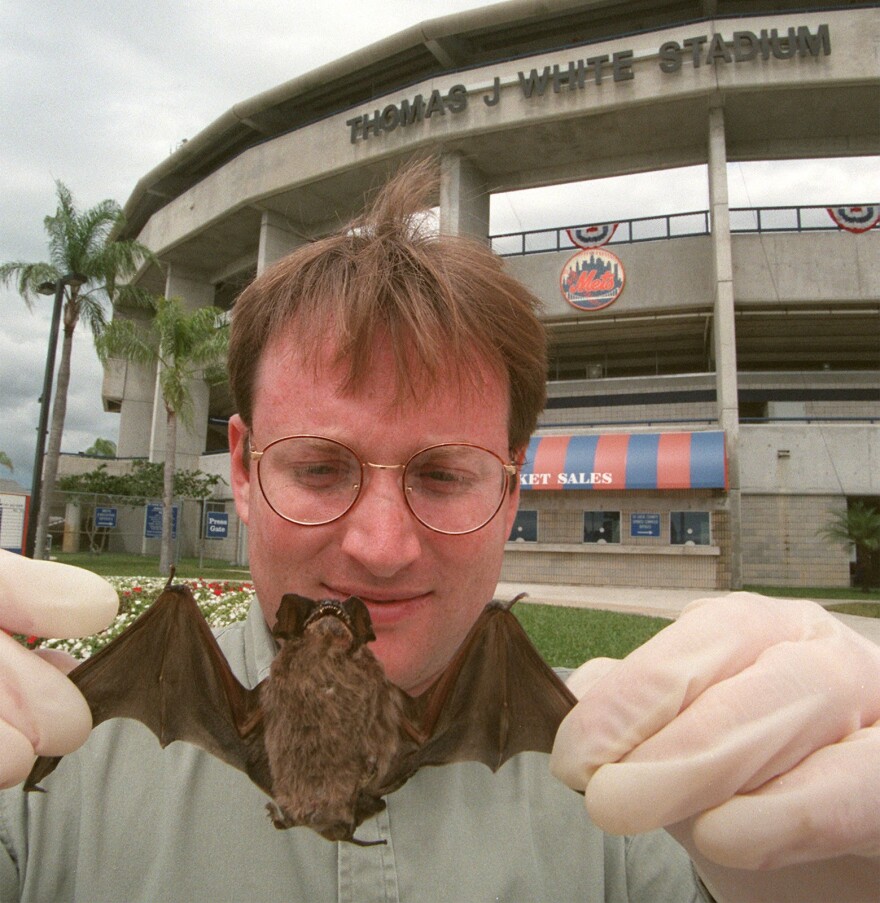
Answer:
[(46, 288)]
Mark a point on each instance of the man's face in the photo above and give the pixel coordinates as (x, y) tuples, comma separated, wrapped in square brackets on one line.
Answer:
[(424, 589)]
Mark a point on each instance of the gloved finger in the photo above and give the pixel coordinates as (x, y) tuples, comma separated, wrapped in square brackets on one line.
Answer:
[(39, 702), (58, 658), (851, 878), (827, 806), (713, 641), (18, 756), (658, 680), (738, 734), (49, 599), (591, 671)]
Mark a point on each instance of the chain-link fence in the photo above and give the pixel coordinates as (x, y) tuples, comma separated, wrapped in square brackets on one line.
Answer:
[(82, 522)]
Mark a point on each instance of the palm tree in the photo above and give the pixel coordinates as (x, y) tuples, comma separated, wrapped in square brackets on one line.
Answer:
[(6, 461), (186, 346), (81, 243), (859, 525)]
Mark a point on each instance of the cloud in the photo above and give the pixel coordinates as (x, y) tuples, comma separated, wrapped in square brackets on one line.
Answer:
[(23, 349)]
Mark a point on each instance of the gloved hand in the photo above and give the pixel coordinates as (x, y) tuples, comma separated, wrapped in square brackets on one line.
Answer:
[(41, 711), (750, 729)]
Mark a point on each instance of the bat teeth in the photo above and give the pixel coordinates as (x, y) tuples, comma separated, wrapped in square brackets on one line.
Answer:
[(329, 608)]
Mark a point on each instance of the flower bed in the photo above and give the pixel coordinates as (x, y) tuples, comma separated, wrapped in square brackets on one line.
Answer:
[(221, 602)]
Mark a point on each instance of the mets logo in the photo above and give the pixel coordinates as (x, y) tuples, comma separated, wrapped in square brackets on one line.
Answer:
[(592, 279)]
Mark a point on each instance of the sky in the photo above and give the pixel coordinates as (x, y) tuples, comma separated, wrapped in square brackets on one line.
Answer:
[(96, 93)]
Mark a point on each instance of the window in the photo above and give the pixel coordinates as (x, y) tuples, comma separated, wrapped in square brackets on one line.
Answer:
[(525, 527), (689, 528), (601, 526)]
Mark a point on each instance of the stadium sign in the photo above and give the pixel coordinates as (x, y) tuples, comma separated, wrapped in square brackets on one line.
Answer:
[(574, 75)]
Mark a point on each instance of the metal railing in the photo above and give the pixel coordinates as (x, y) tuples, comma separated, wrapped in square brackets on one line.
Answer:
[(673, 225)]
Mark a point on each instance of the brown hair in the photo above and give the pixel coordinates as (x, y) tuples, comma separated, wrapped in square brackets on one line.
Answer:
[(442, 300)]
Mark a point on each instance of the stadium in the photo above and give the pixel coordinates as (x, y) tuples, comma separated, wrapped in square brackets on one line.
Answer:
[(714, 381)]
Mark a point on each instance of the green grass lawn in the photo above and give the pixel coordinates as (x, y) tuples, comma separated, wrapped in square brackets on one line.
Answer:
[(120, 565), (853, 601), (850, 593), (865, 609), (567, 637)]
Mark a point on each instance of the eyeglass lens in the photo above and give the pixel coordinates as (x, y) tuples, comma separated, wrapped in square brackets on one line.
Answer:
[(450, 488)]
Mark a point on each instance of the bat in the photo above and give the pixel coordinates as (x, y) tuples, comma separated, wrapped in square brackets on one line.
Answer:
[(326, 735)]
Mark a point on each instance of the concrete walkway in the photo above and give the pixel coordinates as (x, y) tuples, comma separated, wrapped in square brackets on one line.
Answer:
[(663, 603)]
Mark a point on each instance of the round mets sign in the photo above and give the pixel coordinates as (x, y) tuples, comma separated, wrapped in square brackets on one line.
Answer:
[(592, 279)]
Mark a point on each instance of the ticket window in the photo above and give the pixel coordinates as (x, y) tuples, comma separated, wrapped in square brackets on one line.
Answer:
[(602, 526)]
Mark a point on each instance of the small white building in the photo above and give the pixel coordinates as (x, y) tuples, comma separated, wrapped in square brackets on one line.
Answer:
[(14, 508)]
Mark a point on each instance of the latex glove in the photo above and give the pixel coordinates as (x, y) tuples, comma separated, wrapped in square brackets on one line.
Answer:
[(41, 711), (750, 728)]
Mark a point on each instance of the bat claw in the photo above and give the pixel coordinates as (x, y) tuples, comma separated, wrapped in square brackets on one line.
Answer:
[(279, 817), (366, 843), (506, 606)]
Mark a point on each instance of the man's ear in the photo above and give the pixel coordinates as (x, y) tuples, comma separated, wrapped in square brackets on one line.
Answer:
[(240, 466)]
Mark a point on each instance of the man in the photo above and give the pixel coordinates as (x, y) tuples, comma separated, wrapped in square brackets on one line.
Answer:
[(368, 368)]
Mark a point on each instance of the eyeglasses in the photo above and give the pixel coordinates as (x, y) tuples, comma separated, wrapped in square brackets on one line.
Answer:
[(452, 488)]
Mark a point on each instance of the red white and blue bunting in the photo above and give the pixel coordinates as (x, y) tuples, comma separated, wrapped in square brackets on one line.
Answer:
[(855, 219), (592, 236)]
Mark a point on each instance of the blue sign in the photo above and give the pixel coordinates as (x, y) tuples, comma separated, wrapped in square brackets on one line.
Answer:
[(105, 518), (644, 525), (153, 521), (216, 524)]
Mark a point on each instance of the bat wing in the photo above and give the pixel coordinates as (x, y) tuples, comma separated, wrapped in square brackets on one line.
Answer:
[(496, 698), (167, 671)]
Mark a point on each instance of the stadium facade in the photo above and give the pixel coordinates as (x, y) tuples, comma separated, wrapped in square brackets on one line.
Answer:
[(714, 387)]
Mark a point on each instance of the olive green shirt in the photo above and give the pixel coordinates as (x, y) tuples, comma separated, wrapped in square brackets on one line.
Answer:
[(124, 820)]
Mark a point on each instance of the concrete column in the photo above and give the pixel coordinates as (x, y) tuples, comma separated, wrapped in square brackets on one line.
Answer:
[(464, 198), (194, 292), (131, 387), (277, 239), (72, 527), (724, 330)]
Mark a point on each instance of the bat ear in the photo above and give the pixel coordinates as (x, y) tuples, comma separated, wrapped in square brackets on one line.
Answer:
[(292, 613), (362, 626)]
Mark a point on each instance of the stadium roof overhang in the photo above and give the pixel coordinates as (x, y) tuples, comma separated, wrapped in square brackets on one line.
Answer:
[(757, 124)]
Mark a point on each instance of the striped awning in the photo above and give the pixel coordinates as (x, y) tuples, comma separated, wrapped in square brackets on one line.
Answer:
[(627, 461)]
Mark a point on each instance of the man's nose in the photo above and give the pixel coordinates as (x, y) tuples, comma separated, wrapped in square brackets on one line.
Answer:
[(380, 531)]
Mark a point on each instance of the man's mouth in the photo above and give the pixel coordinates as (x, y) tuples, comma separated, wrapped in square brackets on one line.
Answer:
[(386, 609)]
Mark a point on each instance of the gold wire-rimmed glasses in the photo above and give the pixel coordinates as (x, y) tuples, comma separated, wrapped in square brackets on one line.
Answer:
[(452, 488)]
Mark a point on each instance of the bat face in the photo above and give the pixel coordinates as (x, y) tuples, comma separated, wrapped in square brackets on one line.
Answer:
[(297, 615)]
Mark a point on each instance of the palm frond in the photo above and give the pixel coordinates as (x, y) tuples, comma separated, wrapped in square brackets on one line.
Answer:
[(132, 296), (126, 340), (27, 277)]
